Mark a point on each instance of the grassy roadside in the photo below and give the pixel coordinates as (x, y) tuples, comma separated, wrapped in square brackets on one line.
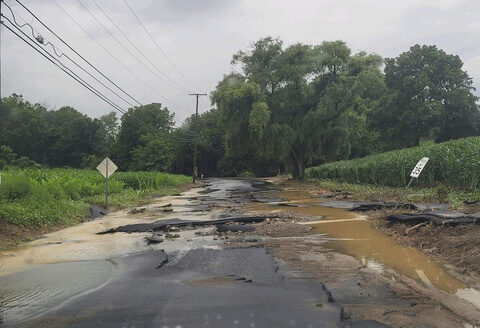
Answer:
[(440, 194), (34, 202)]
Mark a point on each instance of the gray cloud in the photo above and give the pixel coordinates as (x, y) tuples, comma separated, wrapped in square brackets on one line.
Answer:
[(201, 36)]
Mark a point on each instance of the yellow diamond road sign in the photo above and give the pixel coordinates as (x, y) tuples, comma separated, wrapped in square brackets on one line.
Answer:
[(107, 166)]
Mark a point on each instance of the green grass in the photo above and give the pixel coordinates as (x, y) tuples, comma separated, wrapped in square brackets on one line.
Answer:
[(49, 197), (363, 192), (454, 163)]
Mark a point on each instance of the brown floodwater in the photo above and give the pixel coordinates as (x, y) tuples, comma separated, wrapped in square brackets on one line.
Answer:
[(354, 235)]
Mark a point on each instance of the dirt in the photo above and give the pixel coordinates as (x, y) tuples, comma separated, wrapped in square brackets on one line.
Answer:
[(457, 247), (12, 235)]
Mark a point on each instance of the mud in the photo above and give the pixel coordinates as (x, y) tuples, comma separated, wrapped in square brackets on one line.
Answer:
[(390, 275), (457, 246), (442, 217)]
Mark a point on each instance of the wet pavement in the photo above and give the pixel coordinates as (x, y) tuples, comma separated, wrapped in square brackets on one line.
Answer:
[(202, 288), (81, 277)]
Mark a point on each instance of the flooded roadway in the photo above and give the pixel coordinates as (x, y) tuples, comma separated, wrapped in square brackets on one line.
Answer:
[(77, 278), (352, 234), (47, 281)]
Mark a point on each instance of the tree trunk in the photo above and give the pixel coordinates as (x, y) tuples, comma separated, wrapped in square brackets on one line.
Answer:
[(298, 169)]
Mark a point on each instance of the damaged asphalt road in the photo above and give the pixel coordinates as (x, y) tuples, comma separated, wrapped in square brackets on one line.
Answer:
[(230, 253), (194, 286), (202, 288)]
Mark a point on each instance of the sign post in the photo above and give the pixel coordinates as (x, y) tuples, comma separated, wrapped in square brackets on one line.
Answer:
[(107, 168), (414, 175)]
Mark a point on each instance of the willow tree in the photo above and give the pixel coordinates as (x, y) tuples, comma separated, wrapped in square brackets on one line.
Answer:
[(300, 104)]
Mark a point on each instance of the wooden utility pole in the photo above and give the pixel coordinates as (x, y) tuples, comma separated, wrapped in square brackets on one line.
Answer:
[(195, 170)]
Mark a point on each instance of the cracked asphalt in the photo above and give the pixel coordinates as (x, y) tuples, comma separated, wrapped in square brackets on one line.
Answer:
[(201, 286)]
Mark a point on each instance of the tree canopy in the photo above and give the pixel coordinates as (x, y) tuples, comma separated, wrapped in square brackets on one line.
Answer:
[(430, 97), (297, 105), (285, 107)]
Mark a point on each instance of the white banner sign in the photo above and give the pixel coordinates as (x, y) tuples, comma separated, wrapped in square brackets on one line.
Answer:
[(419, 167)]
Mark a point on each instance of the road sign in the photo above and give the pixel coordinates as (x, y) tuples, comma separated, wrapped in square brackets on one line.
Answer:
[(415, 174), (107, 167), (419, 167)]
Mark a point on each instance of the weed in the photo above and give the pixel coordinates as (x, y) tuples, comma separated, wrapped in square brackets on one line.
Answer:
[(48, 197)]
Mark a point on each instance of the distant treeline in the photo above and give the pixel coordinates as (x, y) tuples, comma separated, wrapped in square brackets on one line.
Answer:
[(283, 109)]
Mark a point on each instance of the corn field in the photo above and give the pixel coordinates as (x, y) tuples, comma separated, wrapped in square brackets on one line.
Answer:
[(454, 163)]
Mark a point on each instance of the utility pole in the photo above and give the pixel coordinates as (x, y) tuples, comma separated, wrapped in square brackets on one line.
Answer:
[(195, 170)]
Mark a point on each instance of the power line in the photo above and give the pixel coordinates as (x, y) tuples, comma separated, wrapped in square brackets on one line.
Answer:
[(62, 54), (62, 67), (133, 45), (158, 47), (73, 75), (111, 55), (126, 49), (83, 58)]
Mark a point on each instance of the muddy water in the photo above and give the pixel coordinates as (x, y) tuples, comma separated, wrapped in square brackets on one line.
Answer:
[(354, 235), (76, 260)]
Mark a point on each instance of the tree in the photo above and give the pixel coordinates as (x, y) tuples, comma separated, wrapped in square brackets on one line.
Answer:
[(156, 153), (73, 136), (23, 127), (106, 136), (6, 156), (430, 97), (137, 122), (109, 124), (299, 105), (210, 144)]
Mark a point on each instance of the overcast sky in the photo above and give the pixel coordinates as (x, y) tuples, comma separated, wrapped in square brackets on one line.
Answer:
[(200, 36)]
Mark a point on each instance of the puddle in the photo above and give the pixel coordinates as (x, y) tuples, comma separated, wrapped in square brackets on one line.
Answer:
[(32, 292), (81, 242), (354, 235)]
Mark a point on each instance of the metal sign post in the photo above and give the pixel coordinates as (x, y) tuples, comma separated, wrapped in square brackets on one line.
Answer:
[(106, 184), (107, 168), (414, 175)]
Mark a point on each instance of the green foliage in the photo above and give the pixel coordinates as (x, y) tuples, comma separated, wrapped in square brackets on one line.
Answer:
[(259, 117), (6, 156), (156, 119), (41, 197), (364, 192), (298, 105), (56, 138), (156, 153), (430, 98), (210, 145), (454, 163), (14, 187)]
